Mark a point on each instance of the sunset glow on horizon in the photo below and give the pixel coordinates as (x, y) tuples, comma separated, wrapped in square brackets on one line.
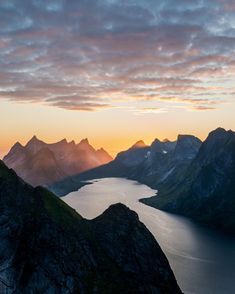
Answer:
[(115, 71), (114, 130)]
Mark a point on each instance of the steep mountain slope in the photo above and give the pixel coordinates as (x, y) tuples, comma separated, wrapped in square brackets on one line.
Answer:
[(46, 247), (207, 190), (103, 155), (153, 165), (39, 163), (42, 167), (167, 159), (133, 156)]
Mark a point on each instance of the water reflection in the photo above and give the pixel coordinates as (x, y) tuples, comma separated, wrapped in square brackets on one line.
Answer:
[(202, 259)]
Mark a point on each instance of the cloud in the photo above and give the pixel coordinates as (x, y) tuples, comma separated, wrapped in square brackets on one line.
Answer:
[(91, 54), (151, 110), (201, 108), (83, 106)]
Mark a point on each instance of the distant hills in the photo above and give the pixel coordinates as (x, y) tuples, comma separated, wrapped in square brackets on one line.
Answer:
[(46, 247), (39, 163), (193, 178)]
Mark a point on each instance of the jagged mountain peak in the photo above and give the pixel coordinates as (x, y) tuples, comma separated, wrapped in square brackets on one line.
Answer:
[(84, 141), (162, 146), (218, 130), (34, 145), (156, 141), (84, 144), (187, 146), (188, 139), (34, 141), (216, 141), (103, 155), (34, 137), (63, 141), (101, 149), (138, 144), (220, 133), (205, 191), (63, 159), (16, 146)]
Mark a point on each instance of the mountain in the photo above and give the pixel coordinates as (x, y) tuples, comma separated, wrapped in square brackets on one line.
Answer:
[(206, 191), (166, 159), (153, 165), (103, 155), (39, 163), (134, 156), (46, 247), (139, 144)]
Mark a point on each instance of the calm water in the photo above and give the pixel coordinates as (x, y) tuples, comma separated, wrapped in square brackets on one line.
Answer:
[(203, 260)]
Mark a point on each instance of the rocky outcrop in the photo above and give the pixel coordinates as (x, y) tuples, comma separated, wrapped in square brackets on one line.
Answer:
[(46, 247)]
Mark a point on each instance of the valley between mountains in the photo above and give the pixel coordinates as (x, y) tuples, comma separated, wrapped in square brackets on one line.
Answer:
[(47, 246), (193, 178)]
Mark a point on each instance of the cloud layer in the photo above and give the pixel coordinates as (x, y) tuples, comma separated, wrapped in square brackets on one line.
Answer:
[(95, 54)]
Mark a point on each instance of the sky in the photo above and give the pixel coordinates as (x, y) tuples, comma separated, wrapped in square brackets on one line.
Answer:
[(115, 71)]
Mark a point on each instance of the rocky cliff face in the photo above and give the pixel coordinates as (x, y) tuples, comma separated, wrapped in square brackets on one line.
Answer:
[(207, 190), (46, 247), (167, 159), (39, 163), (153, 165)]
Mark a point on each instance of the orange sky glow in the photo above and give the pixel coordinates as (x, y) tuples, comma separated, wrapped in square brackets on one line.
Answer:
[(113, 129), (115, 71)]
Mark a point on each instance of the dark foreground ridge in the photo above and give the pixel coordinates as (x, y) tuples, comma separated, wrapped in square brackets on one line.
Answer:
[(46, 247)]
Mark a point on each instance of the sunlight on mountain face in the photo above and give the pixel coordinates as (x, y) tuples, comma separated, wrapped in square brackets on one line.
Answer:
[(39, 163)]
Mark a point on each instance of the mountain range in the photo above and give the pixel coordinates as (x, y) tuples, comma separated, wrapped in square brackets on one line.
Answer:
[(193, 178), (206, 190), (152, 165), (46, 247), (39, 163)]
